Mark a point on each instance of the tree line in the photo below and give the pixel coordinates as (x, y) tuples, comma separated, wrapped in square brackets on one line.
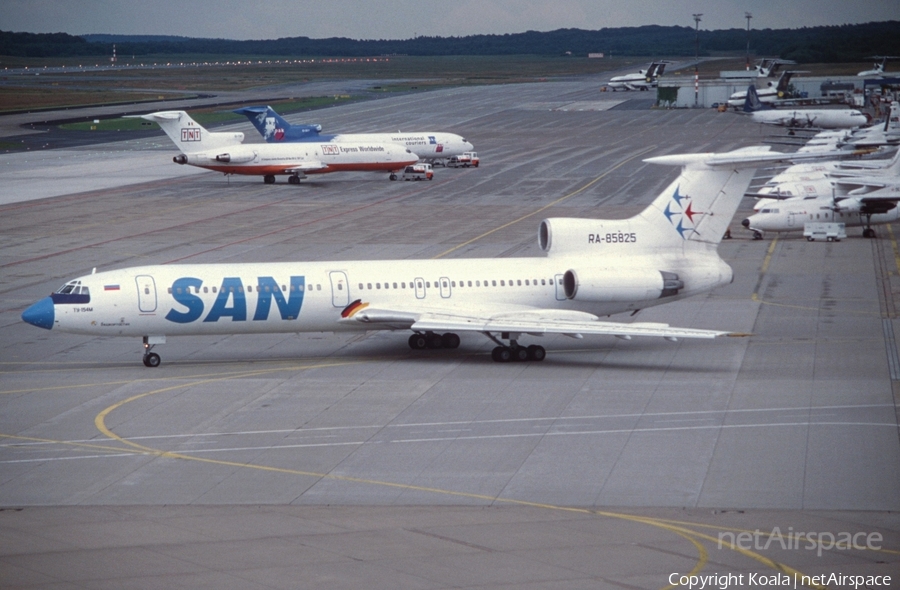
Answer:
[(808, 44)]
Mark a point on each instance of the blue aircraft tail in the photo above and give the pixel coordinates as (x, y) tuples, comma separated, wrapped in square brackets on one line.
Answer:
[(752, 102), (275, 129)]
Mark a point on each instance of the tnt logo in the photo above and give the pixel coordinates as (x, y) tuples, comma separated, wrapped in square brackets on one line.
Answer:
[(439, 148), (680, 214), (190, 134), (432, 139), (331, 150)]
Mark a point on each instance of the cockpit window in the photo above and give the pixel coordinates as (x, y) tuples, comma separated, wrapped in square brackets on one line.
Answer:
[(72, 292)]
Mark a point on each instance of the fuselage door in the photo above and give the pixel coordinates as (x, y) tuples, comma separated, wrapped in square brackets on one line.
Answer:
[(146, 288), (420, 288), (340, 288), (560, 289), (445, 287)]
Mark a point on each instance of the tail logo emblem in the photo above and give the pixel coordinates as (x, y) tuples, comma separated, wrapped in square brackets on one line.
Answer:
[(680, 213)]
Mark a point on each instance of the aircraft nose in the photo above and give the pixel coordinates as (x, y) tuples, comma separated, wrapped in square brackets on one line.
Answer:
[(746, 222), (40, 314)]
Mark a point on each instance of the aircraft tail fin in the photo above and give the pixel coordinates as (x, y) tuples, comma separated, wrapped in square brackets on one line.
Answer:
[(752, 102), (274, 128), (189, 135), (699, 205)]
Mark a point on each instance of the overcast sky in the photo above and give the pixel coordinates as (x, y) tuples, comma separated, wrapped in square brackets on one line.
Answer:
[(403, 19)]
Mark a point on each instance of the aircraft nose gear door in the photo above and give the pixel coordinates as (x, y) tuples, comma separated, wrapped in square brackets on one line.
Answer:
[(146, 288), (340, 289)]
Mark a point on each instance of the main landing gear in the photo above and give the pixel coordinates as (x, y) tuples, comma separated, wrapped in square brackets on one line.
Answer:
[(501, 353), (515, 353), (432, 340)]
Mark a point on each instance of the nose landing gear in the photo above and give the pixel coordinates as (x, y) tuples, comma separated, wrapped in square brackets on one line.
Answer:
[(151, 359)]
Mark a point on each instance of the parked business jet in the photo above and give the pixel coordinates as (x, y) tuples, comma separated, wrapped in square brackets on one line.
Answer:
[(427, 145), (225, 153), (802, 118), (592, 268), (642, 80)]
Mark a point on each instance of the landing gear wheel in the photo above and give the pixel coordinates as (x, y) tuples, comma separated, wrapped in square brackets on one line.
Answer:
[(519, 354), (151, 359), (757, 235), (434, 340), (501, 354), (393, 177), (450, 340), (293, 180), (536, 353), (868, 233), (269, 179), (418, 342)]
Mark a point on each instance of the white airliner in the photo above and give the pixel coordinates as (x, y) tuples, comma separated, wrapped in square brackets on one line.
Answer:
[(592, 268), (821, 179), (862, 210), (225, 153), (642, 80), (877, 70), (802, 118), (431, 146), (773, 91)]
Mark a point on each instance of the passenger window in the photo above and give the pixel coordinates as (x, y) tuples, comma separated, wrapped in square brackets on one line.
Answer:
[(519, 283), (318, 287), (340, 286), (502, 283), (395, 285), (368, 285), (146, 291), (494, 283), (215, 289), (378, 285)]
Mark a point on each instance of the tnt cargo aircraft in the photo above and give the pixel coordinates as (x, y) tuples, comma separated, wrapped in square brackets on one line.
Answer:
[(592, 268), (225, 153), (430, 146)]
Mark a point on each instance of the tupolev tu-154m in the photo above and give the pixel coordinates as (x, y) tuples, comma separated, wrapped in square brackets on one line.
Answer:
[(592, 268), (224, 152)]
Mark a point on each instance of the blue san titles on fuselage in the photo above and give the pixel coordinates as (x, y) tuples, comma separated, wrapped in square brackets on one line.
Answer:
[(232, 289)]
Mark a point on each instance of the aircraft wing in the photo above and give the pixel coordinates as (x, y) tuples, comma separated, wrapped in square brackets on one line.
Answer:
[(862, 185), (523, 321)]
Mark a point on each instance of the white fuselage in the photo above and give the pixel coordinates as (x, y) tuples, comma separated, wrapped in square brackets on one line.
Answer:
[(309, 296), (426, 145), (792, 214), (813, 118), (306, 157)]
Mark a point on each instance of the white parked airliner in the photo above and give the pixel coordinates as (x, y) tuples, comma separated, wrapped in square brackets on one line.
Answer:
[(224, 152), (592, 268)]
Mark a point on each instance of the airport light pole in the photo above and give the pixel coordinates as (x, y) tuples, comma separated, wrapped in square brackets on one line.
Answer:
[(697, 59), (748, 16)]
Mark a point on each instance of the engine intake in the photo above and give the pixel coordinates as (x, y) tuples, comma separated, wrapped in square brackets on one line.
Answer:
[(180, 159), (620, 285)]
